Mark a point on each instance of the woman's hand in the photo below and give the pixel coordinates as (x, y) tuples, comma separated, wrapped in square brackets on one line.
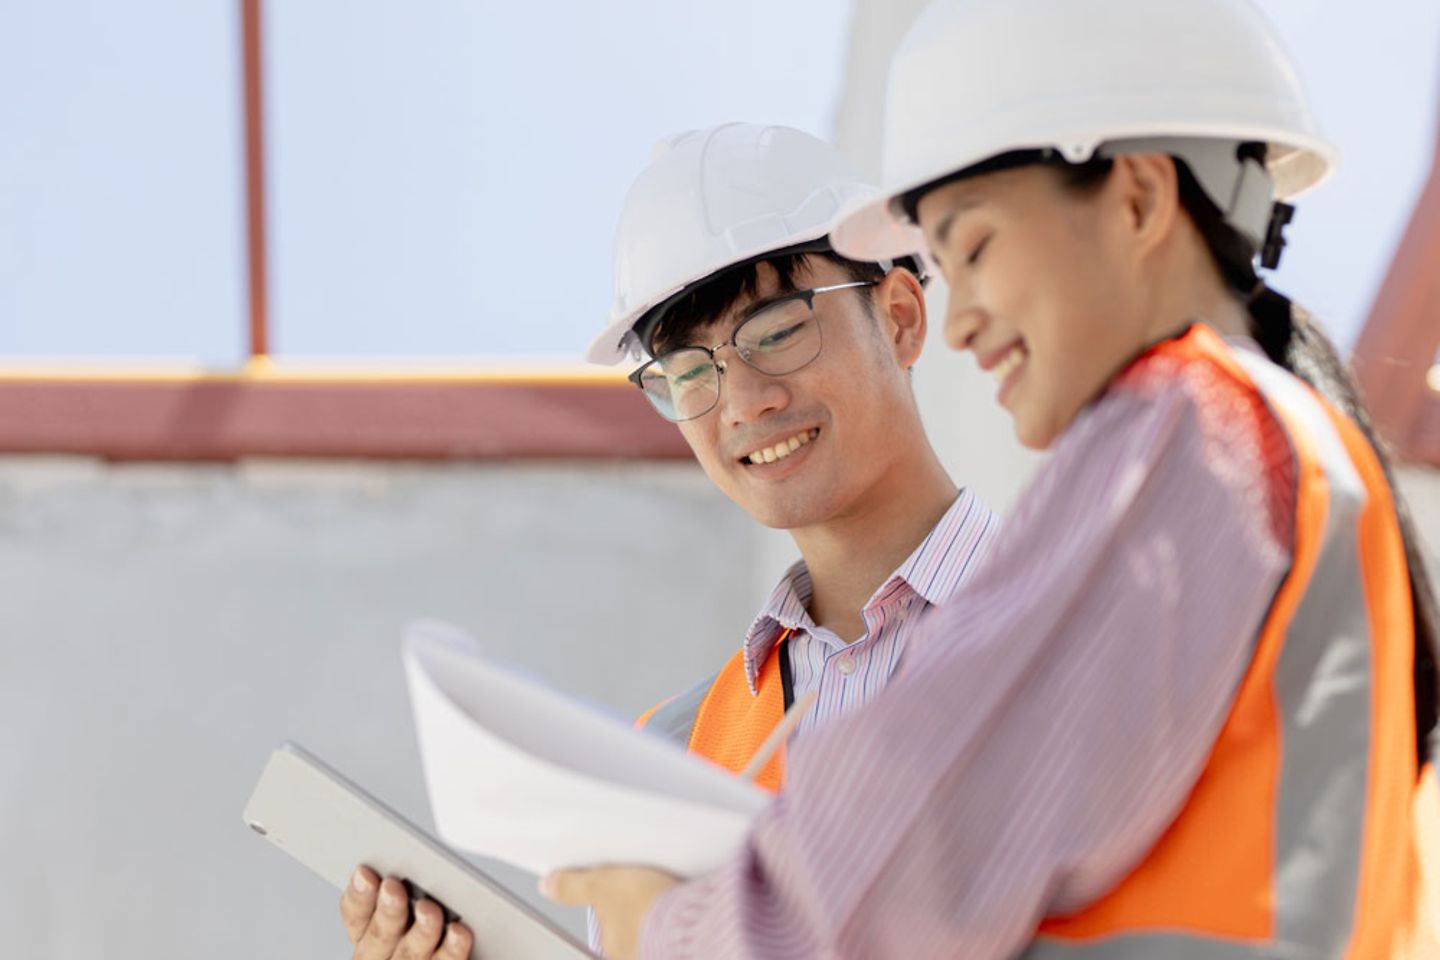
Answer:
[(620, 897)]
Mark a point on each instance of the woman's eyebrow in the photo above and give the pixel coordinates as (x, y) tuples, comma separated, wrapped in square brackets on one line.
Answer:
[(942, 231), (963, 205)]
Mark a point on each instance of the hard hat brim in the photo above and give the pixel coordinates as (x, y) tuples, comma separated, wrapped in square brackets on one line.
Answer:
[(877, 230)]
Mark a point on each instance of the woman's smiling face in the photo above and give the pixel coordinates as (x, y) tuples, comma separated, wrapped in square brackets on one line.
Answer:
[(1043, 290)]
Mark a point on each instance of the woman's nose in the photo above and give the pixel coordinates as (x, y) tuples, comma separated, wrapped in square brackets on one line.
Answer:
[(962, 323)]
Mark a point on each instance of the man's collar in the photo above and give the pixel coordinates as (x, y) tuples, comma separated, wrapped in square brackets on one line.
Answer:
[(932, 571)]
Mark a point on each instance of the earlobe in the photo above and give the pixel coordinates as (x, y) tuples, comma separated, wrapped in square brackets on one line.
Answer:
[(901, 300)]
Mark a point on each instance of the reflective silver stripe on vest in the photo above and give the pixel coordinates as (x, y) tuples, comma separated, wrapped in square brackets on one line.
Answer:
[(1169, 946), (675, 718), (1322, 684)]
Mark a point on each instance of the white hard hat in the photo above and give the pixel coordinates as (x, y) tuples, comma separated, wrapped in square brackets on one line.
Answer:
[(976, 79), (715, 198)]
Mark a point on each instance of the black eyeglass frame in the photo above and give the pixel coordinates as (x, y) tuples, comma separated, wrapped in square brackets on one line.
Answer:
[(808, 296)]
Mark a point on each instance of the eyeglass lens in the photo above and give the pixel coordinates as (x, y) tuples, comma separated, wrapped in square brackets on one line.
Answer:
[(684, 384)]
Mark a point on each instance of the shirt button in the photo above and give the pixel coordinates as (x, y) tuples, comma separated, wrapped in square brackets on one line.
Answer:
[(846, 665)]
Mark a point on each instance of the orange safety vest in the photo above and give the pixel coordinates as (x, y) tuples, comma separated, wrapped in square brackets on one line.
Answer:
[(1295, 842), (730, 723), (1311, 832)]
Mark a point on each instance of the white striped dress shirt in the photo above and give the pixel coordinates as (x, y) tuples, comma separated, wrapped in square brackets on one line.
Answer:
[(846, 675)]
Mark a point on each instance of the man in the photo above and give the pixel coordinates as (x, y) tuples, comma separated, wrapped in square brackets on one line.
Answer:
[(786, 368)]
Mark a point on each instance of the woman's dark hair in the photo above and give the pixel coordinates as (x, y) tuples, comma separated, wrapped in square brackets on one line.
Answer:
[(1292, 338)]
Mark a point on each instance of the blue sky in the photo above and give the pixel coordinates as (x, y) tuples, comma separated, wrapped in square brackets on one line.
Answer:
[(445, 184)]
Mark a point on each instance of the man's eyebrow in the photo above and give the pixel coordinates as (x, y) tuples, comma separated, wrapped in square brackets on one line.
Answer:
[(760, 303), (692, 338), (741, 314)]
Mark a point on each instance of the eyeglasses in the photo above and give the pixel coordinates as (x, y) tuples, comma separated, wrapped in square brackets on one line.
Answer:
[(777, 338)]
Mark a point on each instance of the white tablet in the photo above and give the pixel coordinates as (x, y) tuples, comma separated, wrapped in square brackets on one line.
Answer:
[(331, 825)]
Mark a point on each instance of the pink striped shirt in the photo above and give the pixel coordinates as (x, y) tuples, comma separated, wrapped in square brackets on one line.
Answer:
[(1045, 726)]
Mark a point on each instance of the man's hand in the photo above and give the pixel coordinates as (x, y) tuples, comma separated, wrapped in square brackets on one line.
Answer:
[(620, 896), (376, 917)]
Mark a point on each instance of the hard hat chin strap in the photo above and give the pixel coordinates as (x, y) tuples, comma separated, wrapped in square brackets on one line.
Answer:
[(1280, 216)]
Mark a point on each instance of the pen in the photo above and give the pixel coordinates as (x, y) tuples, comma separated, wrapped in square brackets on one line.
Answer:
[(778, 736)]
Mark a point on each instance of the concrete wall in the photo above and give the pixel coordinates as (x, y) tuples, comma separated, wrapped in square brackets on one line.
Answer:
[(166, 626)]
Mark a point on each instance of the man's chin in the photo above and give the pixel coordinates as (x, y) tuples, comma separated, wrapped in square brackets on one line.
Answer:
[(786, 516)]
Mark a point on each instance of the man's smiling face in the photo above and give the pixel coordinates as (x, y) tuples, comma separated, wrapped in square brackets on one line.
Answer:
[(810, 446)]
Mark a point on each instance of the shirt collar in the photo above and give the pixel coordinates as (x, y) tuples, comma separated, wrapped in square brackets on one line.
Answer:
[(932, 571), (785, 609)]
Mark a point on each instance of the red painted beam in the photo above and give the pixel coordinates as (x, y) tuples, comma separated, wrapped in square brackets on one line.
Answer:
[(252, 59), (229, 418), (1398, 345)]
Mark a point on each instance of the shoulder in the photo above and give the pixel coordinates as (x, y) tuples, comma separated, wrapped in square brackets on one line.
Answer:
[(1206, 409), (1177, 429), (674, 718)]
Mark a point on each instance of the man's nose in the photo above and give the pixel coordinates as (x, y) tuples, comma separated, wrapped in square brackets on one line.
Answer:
[(746, 394)]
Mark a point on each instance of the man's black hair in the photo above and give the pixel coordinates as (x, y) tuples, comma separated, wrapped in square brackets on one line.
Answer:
[(704, 303)]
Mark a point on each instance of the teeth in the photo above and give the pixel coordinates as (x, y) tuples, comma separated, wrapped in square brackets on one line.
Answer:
[(784, 448), (1009, 362)]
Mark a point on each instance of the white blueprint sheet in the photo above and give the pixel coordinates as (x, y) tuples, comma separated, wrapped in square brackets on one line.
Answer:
[(519, 772)]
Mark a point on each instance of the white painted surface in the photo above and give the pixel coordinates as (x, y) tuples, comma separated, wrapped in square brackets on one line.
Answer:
[(166, 626)]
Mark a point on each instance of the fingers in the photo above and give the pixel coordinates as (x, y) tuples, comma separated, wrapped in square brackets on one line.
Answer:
[(377, 917), (458, 941), (621, 896), (574, 888), (387, 925), (357, 903), (422, 940)]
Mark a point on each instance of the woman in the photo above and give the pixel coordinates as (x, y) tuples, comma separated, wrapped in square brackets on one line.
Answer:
[(1185, 709)]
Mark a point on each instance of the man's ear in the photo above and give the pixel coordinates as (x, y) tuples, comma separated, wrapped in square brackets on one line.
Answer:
[(900, 308)]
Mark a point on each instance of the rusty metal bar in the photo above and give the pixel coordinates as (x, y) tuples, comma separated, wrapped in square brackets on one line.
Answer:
[(228, 418), (1395, 350), (255, 178)]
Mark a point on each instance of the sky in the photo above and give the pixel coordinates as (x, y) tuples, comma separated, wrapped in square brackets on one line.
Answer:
[(444, 178)]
